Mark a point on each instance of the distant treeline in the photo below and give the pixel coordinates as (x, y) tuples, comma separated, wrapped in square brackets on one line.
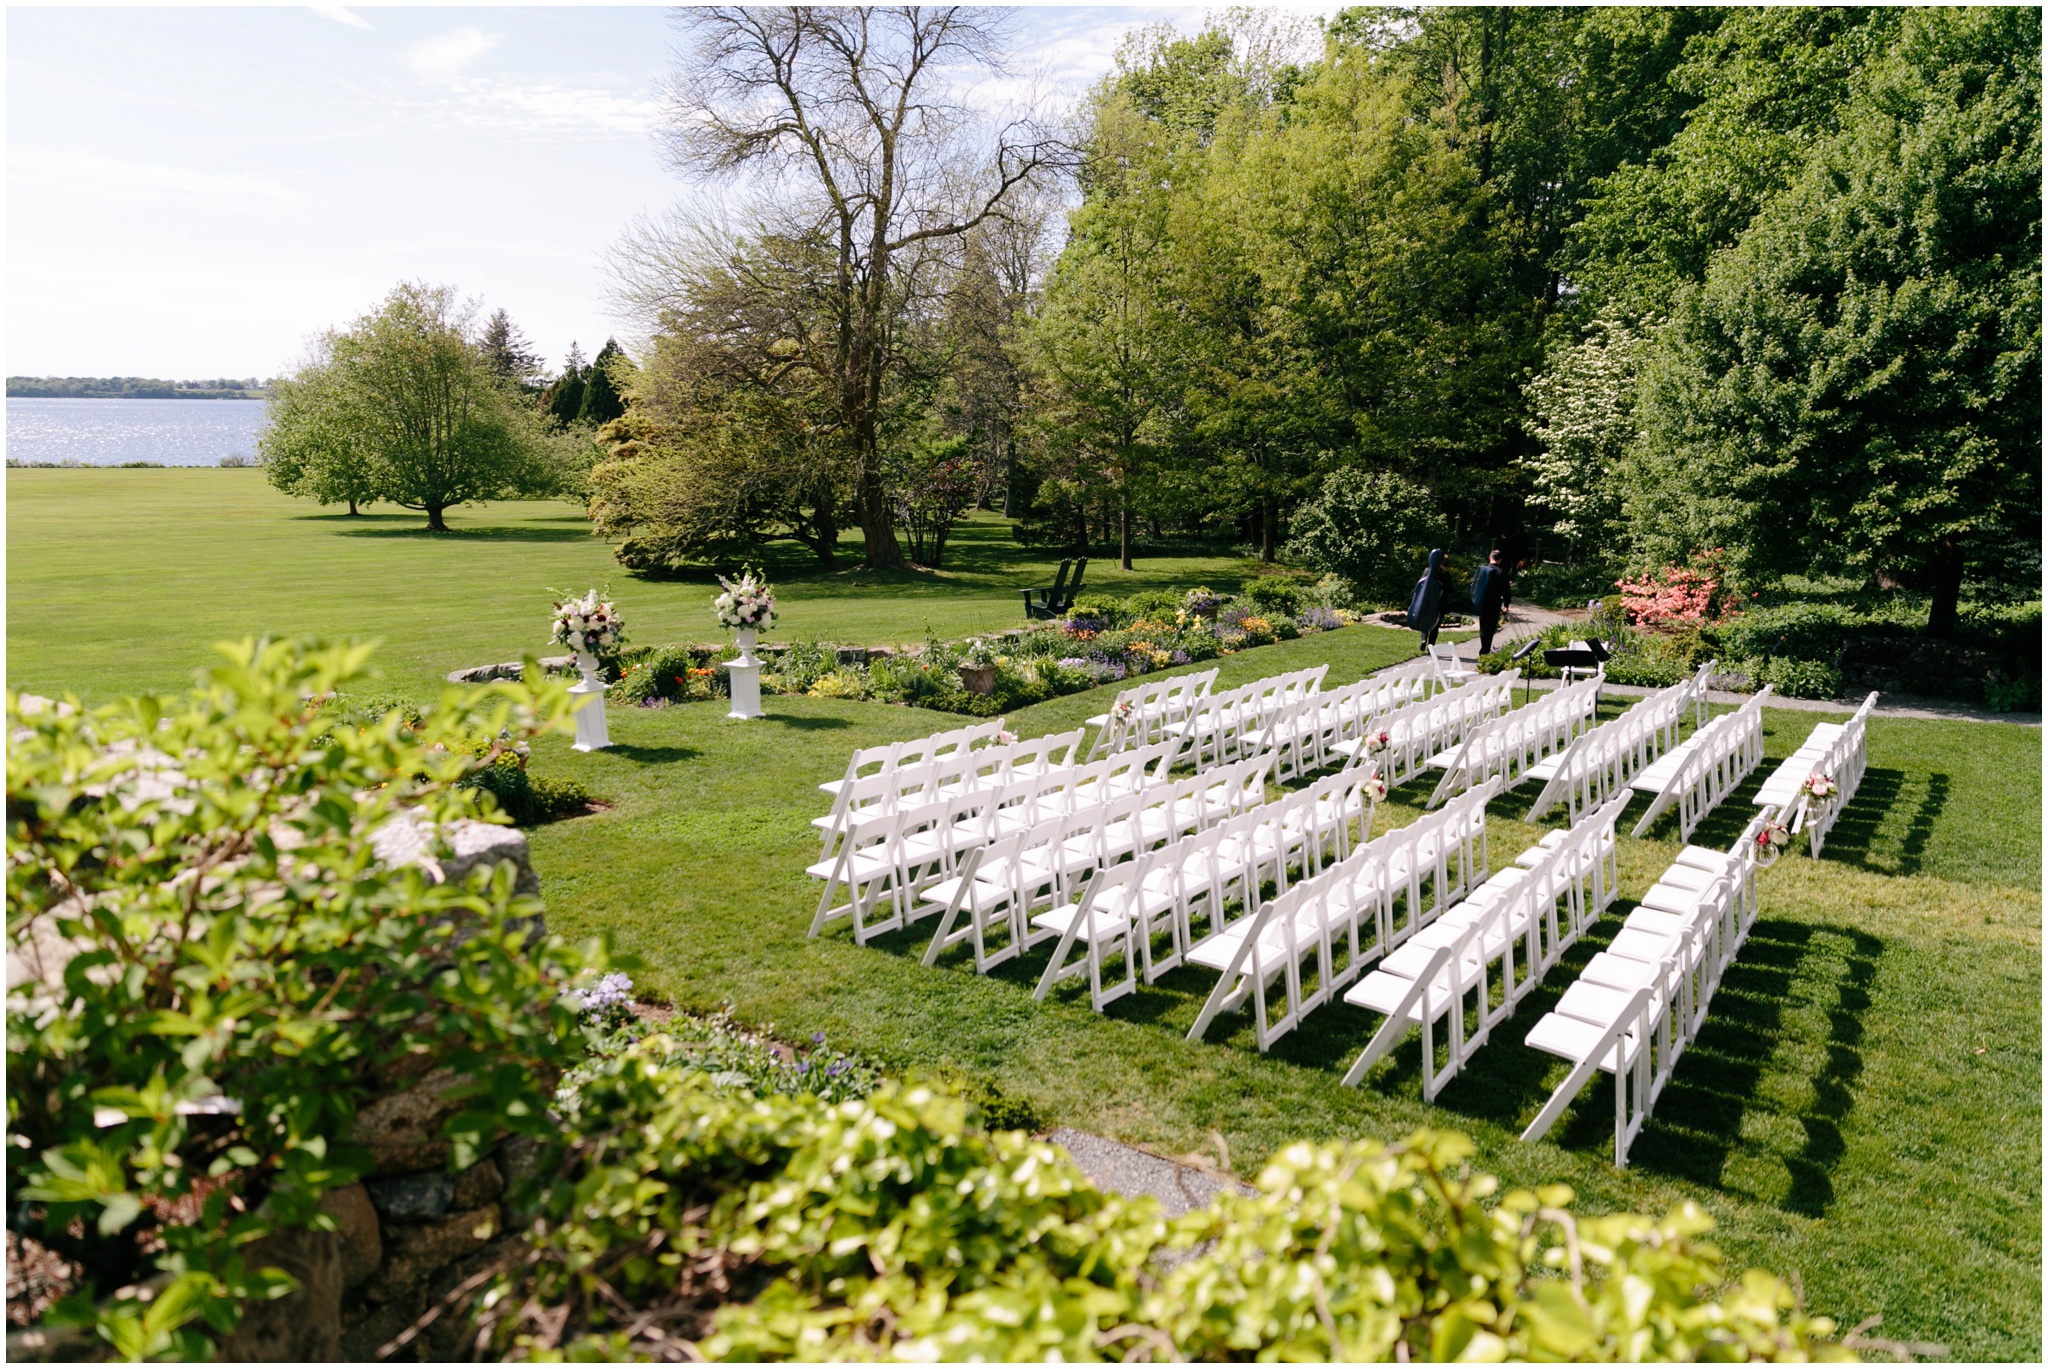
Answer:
[(130, 387)]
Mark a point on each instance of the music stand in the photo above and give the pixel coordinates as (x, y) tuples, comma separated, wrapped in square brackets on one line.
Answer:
[(1521, 656), (1578, 659)]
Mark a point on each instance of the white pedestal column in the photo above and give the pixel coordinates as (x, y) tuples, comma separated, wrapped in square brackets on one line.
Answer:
[(588, 707), (745, 676)]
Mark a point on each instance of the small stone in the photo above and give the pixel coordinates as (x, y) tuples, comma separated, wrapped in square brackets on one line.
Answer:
[(414, 1197), (403, 1129), (478, 1185), (414, 1254), (362, 1242), (303, 1325)]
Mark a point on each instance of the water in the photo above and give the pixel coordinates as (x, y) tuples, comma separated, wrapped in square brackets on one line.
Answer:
[(107, 432)]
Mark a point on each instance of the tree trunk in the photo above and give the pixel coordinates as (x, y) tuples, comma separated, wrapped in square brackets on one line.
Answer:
[(352, 510), (434, 521), (1948, 589), (877, 522), (1269, 529), (1123, 531)]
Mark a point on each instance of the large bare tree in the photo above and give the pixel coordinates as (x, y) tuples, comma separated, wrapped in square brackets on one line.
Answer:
[(854, 131)]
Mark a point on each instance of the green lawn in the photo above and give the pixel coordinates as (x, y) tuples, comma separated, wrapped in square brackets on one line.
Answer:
[(119, 579), (1864, 1108)]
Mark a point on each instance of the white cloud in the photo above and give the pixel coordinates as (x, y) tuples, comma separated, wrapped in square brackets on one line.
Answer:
[(340, 15), (446, 56), (94, 176), (542, 108)]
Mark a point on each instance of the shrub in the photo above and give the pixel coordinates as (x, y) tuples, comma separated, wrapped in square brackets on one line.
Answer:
[(1560, 586), (673, 673), (1273, 596), (527, 799), (1798, 631), (892, 1227), (847, 682), (1800, 679), (275, 972), (1370, 527)]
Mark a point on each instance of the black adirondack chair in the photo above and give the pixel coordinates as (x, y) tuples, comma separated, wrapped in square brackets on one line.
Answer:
[(1052, 602)]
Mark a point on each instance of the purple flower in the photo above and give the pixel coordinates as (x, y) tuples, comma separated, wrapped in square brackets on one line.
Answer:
[(1180, 657), (817, 1038)]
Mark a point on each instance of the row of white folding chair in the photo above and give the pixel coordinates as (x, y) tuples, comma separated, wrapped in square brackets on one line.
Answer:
[(1303, 734), (1399, 742), (1510, 744), (1000, 885), (1344, 713), (1144, 713), (898, 850), (1125, 910), (1837, 750), (1845, 762), (893, 754), (1589, 771), (1218, 723), (1472, 950), (1710, 766), (1637, 1004), (956, 772), (1345, 917), (1445, 665)]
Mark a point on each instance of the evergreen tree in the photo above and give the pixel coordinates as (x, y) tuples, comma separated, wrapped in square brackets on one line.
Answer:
[(510, 356), (601, 402), (564, 399)]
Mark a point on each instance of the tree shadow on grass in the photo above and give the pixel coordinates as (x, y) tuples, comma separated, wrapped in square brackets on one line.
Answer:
[(653, 755), (528, 533), (811, 723)]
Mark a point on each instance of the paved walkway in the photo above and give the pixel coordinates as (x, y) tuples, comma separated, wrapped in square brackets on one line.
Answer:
[(1118, 1168)]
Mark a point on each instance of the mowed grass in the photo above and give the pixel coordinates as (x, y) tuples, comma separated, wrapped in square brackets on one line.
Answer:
[(1863, 1109), (119, 581)]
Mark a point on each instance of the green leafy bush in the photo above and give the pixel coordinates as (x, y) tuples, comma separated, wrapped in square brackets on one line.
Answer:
[(1800, 679), (671, 673), (1371, 527), (1272, 596), (1797, 631), (227, 971), (893, 1227)]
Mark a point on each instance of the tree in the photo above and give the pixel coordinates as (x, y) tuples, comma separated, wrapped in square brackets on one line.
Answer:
[(1104, 348), (563, 400), (859, 118), (1584, 407), (1370, 527), (406, 400), (511, 356), (1858, 379), (601, 402), (309, 448)]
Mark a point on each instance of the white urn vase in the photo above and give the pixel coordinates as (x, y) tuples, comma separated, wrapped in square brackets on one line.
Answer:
[(587, 705), (744, 675)]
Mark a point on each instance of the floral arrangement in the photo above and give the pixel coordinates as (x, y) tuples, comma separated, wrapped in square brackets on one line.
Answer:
[(749, 603), (1772, 839), (1375, 787), (590, 623), (1005, 737), (1121, 710), (1817, 786), (1376, 742)]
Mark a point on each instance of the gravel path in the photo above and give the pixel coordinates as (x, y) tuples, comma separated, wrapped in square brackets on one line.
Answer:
[(1118, 1168)]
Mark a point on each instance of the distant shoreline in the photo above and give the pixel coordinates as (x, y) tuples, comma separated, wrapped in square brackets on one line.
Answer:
[(144, 394)]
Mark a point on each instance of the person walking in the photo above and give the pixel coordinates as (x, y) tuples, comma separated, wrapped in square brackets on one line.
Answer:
[(1491, 594), (1426, 605)]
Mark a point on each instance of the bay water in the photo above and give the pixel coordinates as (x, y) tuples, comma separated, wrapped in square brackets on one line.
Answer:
[(110, 432)]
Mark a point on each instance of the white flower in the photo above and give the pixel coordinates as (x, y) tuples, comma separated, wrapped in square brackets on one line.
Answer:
[(576, 640)]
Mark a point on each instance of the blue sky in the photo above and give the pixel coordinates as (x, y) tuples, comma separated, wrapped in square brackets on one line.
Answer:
[(194, 192)]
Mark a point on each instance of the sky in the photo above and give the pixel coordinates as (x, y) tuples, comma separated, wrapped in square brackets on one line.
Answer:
[(196, 192)]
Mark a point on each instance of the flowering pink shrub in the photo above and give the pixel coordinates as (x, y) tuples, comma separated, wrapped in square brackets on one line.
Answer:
[(1678, 596)]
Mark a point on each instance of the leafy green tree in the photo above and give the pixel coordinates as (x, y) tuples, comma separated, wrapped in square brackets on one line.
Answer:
[(601, 402), (1373, 528), (309, 447), (1858, 379), (406, 400)]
